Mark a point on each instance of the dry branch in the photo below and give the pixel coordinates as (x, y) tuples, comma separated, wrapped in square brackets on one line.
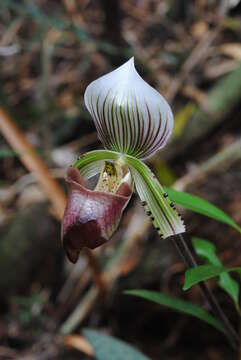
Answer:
[(138, 226), (52, 189), (33, 162)]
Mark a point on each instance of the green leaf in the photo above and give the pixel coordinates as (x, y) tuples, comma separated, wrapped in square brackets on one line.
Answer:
[(229, 285), (182, 118), (201, 206), (205, 272), (109, 348), (207, 251), (7, 153), (156, 202), (46, 21), (163, 172), (177, 305)]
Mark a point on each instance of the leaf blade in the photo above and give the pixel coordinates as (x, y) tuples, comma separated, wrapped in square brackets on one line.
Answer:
[(205, 272), (207, 251), (177, 305), (109, 348), (201, 206)]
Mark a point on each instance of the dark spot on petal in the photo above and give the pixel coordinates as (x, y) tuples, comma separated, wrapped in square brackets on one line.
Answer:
[(148, 213), (90, 217), (165, 195), (124, 190), (79, 236)]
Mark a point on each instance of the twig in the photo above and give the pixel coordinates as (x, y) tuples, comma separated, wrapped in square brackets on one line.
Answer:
[(134, 233), (188, 258), (80, 312), (138, 226), (78, 342), (9, 50), (34, 164), (225, 157), (99, 279), (69, 286), (216, 107), (198, 54)]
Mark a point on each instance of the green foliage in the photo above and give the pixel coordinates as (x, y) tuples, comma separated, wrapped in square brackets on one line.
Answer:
[(201, 206), (7, 153), (177, 305), (163, 172), (182, 118), (49, 21), (207, 251), (29, 308), (219, 100), (205, 272), (109, 348)]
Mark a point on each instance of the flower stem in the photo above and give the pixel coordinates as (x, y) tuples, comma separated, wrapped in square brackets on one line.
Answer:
[(189, 260)]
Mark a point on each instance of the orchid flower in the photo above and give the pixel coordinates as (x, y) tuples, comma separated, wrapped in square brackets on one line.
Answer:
[(133, 122)]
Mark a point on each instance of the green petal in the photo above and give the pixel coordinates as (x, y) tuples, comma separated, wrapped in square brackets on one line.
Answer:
[(89, 164), (162, 211), (91, 169), (158, 206)]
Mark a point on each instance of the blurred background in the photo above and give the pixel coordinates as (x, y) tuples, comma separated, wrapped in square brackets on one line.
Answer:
[(50, 51)]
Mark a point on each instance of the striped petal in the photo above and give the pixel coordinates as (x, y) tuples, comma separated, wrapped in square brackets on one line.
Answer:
[(91, 169), (130, 116), (90, 163), (155, 200)]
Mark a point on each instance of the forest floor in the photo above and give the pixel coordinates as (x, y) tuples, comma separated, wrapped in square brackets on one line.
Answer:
[(50, 51)]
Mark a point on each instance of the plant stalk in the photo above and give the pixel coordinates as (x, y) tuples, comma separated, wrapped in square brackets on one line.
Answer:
[(189, 260)]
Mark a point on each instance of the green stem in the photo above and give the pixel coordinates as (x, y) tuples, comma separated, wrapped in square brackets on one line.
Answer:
[(189, 260)]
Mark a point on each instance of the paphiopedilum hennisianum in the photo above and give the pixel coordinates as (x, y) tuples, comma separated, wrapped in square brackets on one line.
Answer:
[(133, 122)]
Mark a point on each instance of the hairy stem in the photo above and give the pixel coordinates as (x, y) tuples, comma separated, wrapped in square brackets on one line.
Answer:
[(189, 260)]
